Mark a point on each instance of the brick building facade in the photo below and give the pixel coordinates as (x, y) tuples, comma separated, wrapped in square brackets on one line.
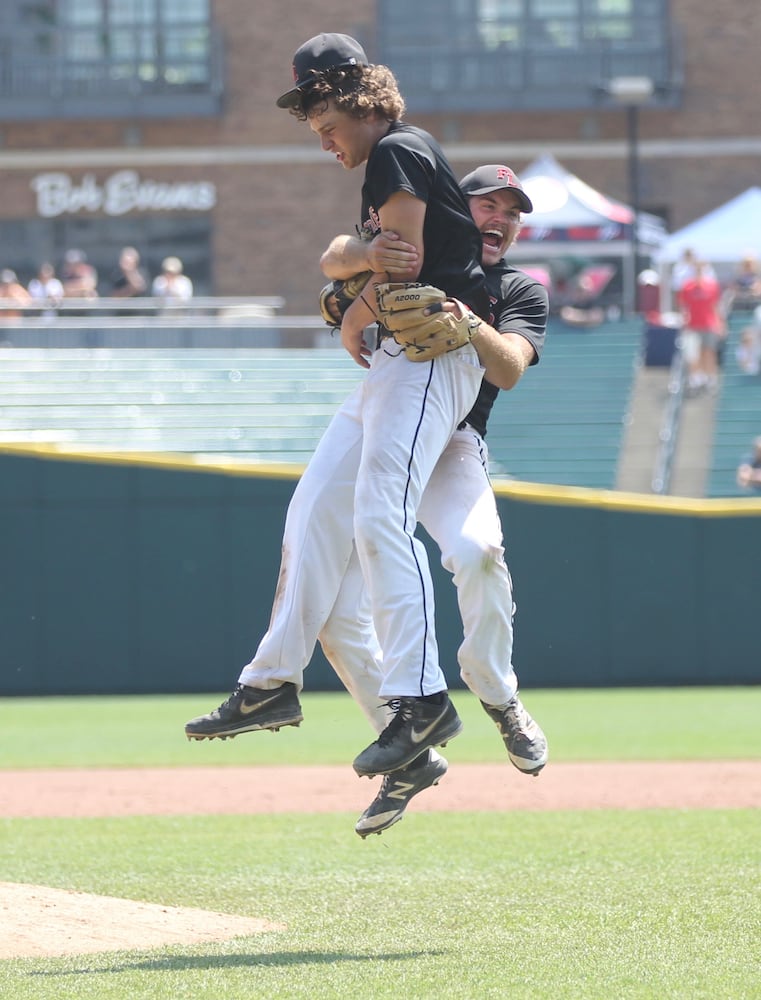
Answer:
[(248, 200)]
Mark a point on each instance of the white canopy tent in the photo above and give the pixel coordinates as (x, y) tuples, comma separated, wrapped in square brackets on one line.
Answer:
[(572, 219), (722, 237)]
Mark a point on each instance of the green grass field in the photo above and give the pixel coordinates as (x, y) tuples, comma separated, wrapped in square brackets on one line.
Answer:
[(604, 904), (617, 724)]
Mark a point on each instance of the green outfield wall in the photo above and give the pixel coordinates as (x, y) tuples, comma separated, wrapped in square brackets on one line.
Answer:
[(138, 575)]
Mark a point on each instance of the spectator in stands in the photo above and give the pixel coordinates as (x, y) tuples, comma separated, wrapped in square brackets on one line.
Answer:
[(649, 295), (46, 289), (78, 277), (172, 285), (749, 470), (748, 352), (744, 290), (704, 330), (12, 293), (583, 309), (128, 279), (685, 269)]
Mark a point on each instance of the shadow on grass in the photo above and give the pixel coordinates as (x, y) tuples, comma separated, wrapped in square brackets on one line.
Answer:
[(176, 963)]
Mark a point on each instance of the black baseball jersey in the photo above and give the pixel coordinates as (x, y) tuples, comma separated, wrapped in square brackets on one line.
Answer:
[(519, 304), (408, 159)]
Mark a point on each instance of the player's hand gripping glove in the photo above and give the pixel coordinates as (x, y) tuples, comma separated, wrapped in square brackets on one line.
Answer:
[(401, 310), (337, 296)]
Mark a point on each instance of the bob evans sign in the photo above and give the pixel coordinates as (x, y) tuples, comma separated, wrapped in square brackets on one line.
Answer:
[(122, 192)]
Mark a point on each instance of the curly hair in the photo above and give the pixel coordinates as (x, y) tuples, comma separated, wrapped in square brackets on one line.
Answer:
[(357, 91)]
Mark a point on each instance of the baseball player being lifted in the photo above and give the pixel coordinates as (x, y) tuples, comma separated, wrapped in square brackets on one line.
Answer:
[(384, 442), (458, 509)]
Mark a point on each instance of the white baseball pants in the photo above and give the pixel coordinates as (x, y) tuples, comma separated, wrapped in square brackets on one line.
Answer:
[(377, 470)]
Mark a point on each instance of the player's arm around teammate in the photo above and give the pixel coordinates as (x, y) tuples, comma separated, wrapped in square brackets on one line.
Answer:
[(347, 255), (386, 256)]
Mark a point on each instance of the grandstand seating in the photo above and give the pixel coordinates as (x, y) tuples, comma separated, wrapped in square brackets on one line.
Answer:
[(564, 421), (738, 419), (252, 404), (562, 424)]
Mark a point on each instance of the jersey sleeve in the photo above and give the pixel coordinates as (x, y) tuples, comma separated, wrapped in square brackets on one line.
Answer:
[(524, 310), (400, 163)]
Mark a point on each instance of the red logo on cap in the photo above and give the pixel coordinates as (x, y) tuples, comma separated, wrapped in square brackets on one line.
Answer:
[(506, 173)]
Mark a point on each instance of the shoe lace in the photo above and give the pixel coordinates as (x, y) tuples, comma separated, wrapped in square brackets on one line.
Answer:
[(402, 710), (232, 700), (515, 716), (385, 785)]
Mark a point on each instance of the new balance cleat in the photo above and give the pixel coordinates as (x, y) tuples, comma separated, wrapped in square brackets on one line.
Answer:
[(396, 791), (247, 710), (418, 723), (526, 743)]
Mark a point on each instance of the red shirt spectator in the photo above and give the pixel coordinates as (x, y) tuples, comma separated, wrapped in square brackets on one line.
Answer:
[(699, 298), (704, 329)]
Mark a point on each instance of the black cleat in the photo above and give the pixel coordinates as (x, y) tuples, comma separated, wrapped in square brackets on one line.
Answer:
[(419, 723), (247, 710), (396, 791)]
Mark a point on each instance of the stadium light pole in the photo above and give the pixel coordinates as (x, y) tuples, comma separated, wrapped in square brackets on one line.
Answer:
[(632, 92)]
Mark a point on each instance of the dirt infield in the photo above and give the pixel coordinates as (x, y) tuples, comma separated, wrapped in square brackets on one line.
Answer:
[(37, 921), (204, 790)]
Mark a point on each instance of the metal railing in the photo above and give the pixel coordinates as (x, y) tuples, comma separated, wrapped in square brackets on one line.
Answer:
[(667, 437), (148, 306), (145, 322)]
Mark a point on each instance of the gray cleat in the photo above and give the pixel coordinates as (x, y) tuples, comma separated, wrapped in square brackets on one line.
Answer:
[(526, 743)]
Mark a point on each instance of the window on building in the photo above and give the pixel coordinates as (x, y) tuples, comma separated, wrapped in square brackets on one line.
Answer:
[(101, 50), (164, 41), (564, 23), (484, 54)]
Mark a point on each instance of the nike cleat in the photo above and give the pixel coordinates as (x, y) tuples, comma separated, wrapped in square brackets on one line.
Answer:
[(418, 723), (525, 742), (247, 710), (397, 790)]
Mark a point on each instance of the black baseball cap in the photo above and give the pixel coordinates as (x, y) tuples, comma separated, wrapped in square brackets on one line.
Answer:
[(323, 52), (495, 177)]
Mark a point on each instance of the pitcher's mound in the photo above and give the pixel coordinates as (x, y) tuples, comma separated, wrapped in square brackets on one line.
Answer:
[(37, 921)]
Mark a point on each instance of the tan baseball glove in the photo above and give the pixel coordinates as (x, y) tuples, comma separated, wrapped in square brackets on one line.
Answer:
[(401, 310), (337, 296)]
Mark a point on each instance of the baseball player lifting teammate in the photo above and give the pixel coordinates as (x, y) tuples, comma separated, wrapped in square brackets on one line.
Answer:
[(459, 511), (383, 445)]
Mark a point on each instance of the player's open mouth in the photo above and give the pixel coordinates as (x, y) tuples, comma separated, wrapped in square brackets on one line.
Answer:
[(492, 238)]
